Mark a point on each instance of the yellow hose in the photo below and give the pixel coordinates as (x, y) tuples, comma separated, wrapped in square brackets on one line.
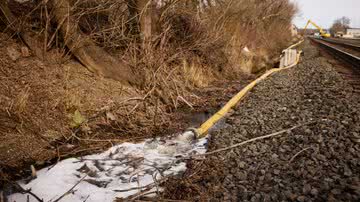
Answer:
[(202, 131), (293, 46)]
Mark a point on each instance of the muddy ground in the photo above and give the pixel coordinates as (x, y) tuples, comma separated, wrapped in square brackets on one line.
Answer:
[(316, 162)]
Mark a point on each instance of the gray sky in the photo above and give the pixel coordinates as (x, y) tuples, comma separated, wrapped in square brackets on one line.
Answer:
[(324, 12)]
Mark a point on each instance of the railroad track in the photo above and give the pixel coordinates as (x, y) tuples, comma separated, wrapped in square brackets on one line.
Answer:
[(345, 43), (343, 40), (351, 68)]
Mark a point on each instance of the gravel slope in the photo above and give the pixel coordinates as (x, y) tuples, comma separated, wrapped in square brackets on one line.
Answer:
[(317, 162)]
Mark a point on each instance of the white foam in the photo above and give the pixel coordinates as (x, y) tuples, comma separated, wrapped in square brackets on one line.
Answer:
[(122, 167)]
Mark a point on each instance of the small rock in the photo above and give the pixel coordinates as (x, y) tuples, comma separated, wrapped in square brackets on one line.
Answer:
[(321, 157), (347, 171), (326, 186), (13, 53), (283, 109), (110, 116), (242, 164), (306, 189), (336, 191), (320, 139), (274, 197), (253, 148), (25, 52), (288, 194), (301, 198), (345, 122), (268, 176), (287, 148), (242, 176), (275, 156), (292, 197), (276, 172), (308, 131), (314, 192)]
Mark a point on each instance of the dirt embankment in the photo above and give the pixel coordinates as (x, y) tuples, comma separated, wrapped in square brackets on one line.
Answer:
[(55, 108), (316, 162), (39, 100), (29, 96)]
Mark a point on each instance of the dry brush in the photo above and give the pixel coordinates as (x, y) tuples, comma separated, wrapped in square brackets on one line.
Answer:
[(163, 49)]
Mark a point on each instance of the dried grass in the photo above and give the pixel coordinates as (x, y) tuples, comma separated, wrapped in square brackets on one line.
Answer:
[(259, 25), (194, 46), (207, 37), (195, 75), (21, 101)]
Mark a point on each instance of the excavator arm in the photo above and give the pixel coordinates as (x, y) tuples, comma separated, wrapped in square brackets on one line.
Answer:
[(322, 32)]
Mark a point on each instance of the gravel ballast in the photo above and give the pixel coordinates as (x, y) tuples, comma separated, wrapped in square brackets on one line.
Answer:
[(315, 162)]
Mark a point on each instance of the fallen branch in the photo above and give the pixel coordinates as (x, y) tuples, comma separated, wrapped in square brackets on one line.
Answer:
[(297, 154), (252, 140), (25, 191), (185, 101), (141, 194), (70, 190), (149, 186), (146, 187)]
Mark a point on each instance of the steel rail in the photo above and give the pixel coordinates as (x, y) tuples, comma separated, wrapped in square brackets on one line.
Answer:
[(343, 44), (349, 58)]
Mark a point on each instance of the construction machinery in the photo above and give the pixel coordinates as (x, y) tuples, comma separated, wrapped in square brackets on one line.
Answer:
[(322, 33)]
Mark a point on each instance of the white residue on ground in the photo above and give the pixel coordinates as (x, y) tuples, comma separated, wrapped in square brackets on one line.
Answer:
[(119, 172)]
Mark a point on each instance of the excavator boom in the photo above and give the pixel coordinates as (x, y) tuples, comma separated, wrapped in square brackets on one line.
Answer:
[(322, 32)]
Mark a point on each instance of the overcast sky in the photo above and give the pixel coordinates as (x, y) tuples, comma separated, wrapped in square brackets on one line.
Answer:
[(324, 12)]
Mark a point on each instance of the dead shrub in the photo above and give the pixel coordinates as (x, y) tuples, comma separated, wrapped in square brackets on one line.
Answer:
[(194, 43), (259, 25), (209, 35)]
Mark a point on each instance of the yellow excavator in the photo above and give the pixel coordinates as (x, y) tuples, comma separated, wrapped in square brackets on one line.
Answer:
[(322, 33)]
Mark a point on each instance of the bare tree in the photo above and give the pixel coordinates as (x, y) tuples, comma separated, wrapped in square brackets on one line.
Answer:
[(340, 25), (148, 19)]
